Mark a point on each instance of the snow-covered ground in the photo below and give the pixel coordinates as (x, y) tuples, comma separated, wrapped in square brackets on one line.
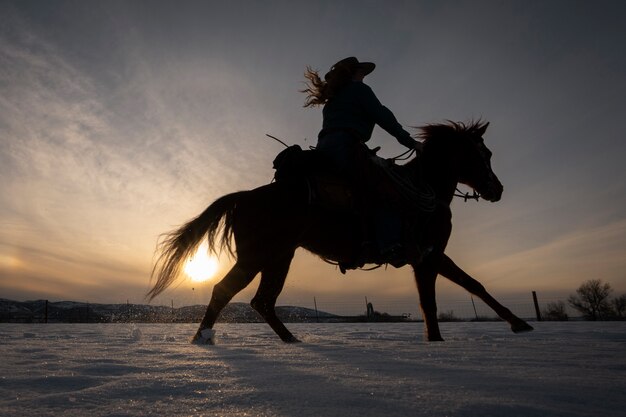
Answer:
[(561, 369)]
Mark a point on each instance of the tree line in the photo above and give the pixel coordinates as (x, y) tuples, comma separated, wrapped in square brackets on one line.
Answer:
[(593, 300)]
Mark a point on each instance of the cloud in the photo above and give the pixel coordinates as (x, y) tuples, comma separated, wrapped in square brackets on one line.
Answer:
[(69, 184), (95, 171), (595, 253), (113, 130)]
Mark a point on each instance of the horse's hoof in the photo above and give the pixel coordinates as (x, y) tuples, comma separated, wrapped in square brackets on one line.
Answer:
[(521, 327), (292, 339), (204, 337), (435, 338)]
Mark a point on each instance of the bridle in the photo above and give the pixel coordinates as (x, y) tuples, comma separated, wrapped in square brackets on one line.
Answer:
[(467, 196)]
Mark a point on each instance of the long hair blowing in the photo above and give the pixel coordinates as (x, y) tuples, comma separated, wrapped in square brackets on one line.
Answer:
[(319, 91)]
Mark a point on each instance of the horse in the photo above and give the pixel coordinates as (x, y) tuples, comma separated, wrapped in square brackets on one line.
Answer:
[(267, 224)]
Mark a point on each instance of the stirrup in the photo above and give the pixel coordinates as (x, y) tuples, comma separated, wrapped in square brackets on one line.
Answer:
[(400, 255), (366, 255), (344, 266), (395, 255)]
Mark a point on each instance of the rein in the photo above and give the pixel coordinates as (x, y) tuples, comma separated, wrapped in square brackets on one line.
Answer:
[(404, 156), (467, 196)]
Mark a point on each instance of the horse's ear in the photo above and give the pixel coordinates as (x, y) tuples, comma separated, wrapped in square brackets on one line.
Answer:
[(483, 129)]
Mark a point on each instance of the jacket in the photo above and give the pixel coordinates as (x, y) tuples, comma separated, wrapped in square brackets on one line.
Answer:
[(356, 108)]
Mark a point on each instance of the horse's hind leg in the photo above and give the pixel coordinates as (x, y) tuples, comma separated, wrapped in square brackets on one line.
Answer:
[(425, 277), (240, 275), (272, 280), (450, 270)]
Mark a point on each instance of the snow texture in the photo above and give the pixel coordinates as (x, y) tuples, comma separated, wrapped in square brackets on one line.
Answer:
[(561, 369)]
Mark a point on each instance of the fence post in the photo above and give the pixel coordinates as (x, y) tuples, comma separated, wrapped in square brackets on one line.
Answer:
[(537, 311), (474, 305), (317, 315)]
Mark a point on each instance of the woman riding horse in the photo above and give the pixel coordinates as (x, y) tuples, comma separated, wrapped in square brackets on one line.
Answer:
[(269, 223), (351, 110)]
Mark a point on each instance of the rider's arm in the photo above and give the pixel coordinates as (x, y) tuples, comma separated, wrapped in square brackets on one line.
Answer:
[(385, 118)]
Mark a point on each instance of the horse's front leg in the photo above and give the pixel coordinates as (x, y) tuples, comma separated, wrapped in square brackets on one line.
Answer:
[(437, 233), (450, 270), (425, 277)]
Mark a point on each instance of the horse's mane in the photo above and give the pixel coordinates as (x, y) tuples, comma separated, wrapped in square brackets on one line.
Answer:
[(450, 128)]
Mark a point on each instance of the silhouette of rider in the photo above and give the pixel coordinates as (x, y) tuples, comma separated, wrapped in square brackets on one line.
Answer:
[(350, 112), (351, 109)]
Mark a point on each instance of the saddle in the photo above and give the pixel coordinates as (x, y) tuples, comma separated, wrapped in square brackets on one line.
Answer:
[(327, 188), (382, 178), (378, 179)]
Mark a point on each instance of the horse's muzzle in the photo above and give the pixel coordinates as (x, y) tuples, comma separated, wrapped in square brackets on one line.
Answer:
[(493, 192)]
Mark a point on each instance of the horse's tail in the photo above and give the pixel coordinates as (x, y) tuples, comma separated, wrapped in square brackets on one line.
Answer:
[(177, 246)]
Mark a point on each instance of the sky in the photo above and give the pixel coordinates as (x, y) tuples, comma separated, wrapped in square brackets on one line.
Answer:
[(120, 121)]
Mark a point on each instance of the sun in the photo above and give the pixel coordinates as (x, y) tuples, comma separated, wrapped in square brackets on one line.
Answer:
[(201, 267)]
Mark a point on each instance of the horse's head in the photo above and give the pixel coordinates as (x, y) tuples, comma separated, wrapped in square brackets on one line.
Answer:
[(476, 168), (468, 155)]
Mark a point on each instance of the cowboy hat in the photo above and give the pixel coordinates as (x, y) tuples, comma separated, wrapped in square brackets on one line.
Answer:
[(353, 64)]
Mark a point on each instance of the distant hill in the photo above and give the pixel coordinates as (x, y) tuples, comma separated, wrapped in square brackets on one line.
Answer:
[(76, 312)]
